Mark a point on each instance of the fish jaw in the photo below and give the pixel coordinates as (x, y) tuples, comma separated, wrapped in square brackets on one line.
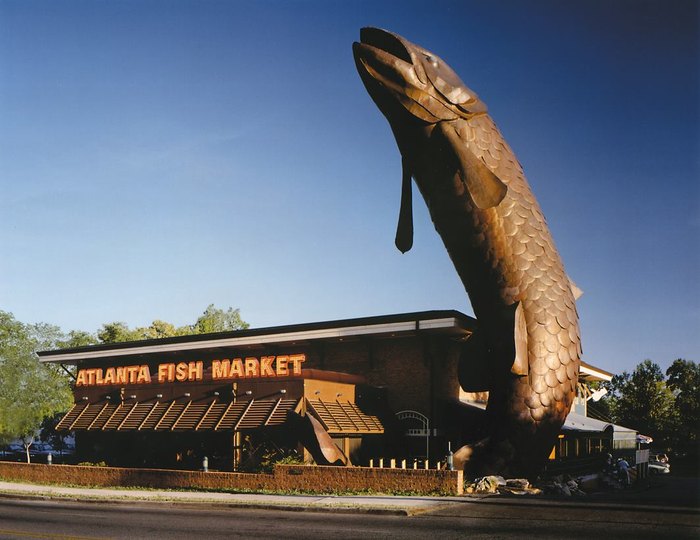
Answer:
[(394, 69)]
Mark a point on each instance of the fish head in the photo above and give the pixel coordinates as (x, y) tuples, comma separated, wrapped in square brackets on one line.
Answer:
[(402, 77)]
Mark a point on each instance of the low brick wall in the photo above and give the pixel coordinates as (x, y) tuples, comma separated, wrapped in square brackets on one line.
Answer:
[(329, 479), (284, 478)]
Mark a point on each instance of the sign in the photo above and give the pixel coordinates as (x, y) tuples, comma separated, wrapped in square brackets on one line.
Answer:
[(221, 370)]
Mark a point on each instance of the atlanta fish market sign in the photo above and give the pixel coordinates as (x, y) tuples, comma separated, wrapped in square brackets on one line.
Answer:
[(220, 370)]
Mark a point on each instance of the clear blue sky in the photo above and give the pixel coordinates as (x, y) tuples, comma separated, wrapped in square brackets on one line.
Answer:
[(156, 157)]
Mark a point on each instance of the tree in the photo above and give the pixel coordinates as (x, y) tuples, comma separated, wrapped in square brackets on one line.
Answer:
[(30, 390), (212, 320), (684, 382), (641, 400), (218, 320), (116, 332), (77, 338)]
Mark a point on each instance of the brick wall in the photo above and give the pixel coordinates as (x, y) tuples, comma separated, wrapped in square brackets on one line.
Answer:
[(330, 479), (284, 478)]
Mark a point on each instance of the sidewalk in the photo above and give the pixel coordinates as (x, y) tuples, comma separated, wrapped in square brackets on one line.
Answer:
[(653, 499), (375, 504)]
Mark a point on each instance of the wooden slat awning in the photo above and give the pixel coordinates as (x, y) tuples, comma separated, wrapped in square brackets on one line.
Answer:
[(174, 416), (344, 417), (337, 417)]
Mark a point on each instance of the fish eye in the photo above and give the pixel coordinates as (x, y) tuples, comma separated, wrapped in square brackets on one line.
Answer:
[(431, 60)]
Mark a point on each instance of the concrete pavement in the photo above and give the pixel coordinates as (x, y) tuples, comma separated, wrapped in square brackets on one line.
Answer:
[(658, 499)]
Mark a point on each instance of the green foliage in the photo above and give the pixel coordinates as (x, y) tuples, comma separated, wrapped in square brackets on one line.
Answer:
[(116, 332), (684, 382), (666, 409), (212, 320), (218, 320), (77, 338), (30, 391)]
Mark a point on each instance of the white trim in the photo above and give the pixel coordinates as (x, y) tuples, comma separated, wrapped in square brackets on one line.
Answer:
[(325, 333), (593, 372)]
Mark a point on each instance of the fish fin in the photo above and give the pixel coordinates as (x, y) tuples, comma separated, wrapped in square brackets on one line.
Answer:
[(404, 229), (485, 188), (480, 364), (474, 368), (520, 365), (578, 293)]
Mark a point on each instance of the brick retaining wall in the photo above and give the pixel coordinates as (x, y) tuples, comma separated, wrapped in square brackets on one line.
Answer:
[(284, 478)]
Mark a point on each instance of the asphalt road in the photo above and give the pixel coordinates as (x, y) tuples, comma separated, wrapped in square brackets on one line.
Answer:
[(473, 519)]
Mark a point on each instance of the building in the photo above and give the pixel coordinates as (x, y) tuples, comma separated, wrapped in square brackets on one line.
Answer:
[(339, 392)]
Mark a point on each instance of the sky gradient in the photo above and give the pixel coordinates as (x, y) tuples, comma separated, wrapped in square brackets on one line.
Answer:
[(156, 157)]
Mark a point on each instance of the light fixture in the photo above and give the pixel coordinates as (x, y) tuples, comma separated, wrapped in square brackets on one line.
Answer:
[(248, 392), (216, 393), (339, 394), (283, 391), (187, 394), (317, 392), (108, 398), (85, 398), (159, 396), (132, 396)]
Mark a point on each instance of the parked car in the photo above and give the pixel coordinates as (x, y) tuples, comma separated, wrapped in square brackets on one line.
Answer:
[(659, 467)]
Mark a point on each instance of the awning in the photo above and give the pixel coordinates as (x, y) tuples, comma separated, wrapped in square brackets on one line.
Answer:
[(336, 417), (577, 422), (174, 416), (344, 417)]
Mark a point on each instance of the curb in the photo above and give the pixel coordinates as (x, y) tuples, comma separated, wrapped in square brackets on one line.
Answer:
[(285, 507)]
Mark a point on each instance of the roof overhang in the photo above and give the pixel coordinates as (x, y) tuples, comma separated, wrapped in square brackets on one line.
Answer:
[(452, 323), (592, 373)]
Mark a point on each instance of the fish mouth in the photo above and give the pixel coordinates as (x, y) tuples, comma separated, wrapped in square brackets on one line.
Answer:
[(385, 41), (383, 58)]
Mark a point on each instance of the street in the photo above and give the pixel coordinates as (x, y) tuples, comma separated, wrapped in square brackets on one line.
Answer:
[(486, 518)]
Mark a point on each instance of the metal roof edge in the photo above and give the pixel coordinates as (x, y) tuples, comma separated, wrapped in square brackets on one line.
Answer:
[(403, 322)]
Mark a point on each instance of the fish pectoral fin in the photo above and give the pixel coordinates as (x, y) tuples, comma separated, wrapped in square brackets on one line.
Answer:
[(404, 229), (474, 368), (520, 365), (481, 365), (485, 189)]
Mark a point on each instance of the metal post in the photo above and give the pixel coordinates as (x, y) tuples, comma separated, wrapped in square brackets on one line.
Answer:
[(450, 457), (49, 459), (205, 464), (427, 439)]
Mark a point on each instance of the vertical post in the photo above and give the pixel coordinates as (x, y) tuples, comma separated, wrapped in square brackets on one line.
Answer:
[(450, 457), (427, 439), (49, 459), (205, 464), (237, 450)]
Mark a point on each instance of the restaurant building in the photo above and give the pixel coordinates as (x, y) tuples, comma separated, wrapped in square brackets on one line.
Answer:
[(336, 392)]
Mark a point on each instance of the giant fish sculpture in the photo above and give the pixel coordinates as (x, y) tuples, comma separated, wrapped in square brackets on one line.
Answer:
[(526, 348)]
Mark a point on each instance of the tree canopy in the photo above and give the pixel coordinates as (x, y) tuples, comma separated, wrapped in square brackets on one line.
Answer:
[(665, 406), (212, 320), (30, 390)]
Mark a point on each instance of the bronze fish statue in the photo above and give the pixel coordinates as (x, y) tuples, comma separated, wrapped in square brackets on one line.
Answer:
[(526, 349)]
